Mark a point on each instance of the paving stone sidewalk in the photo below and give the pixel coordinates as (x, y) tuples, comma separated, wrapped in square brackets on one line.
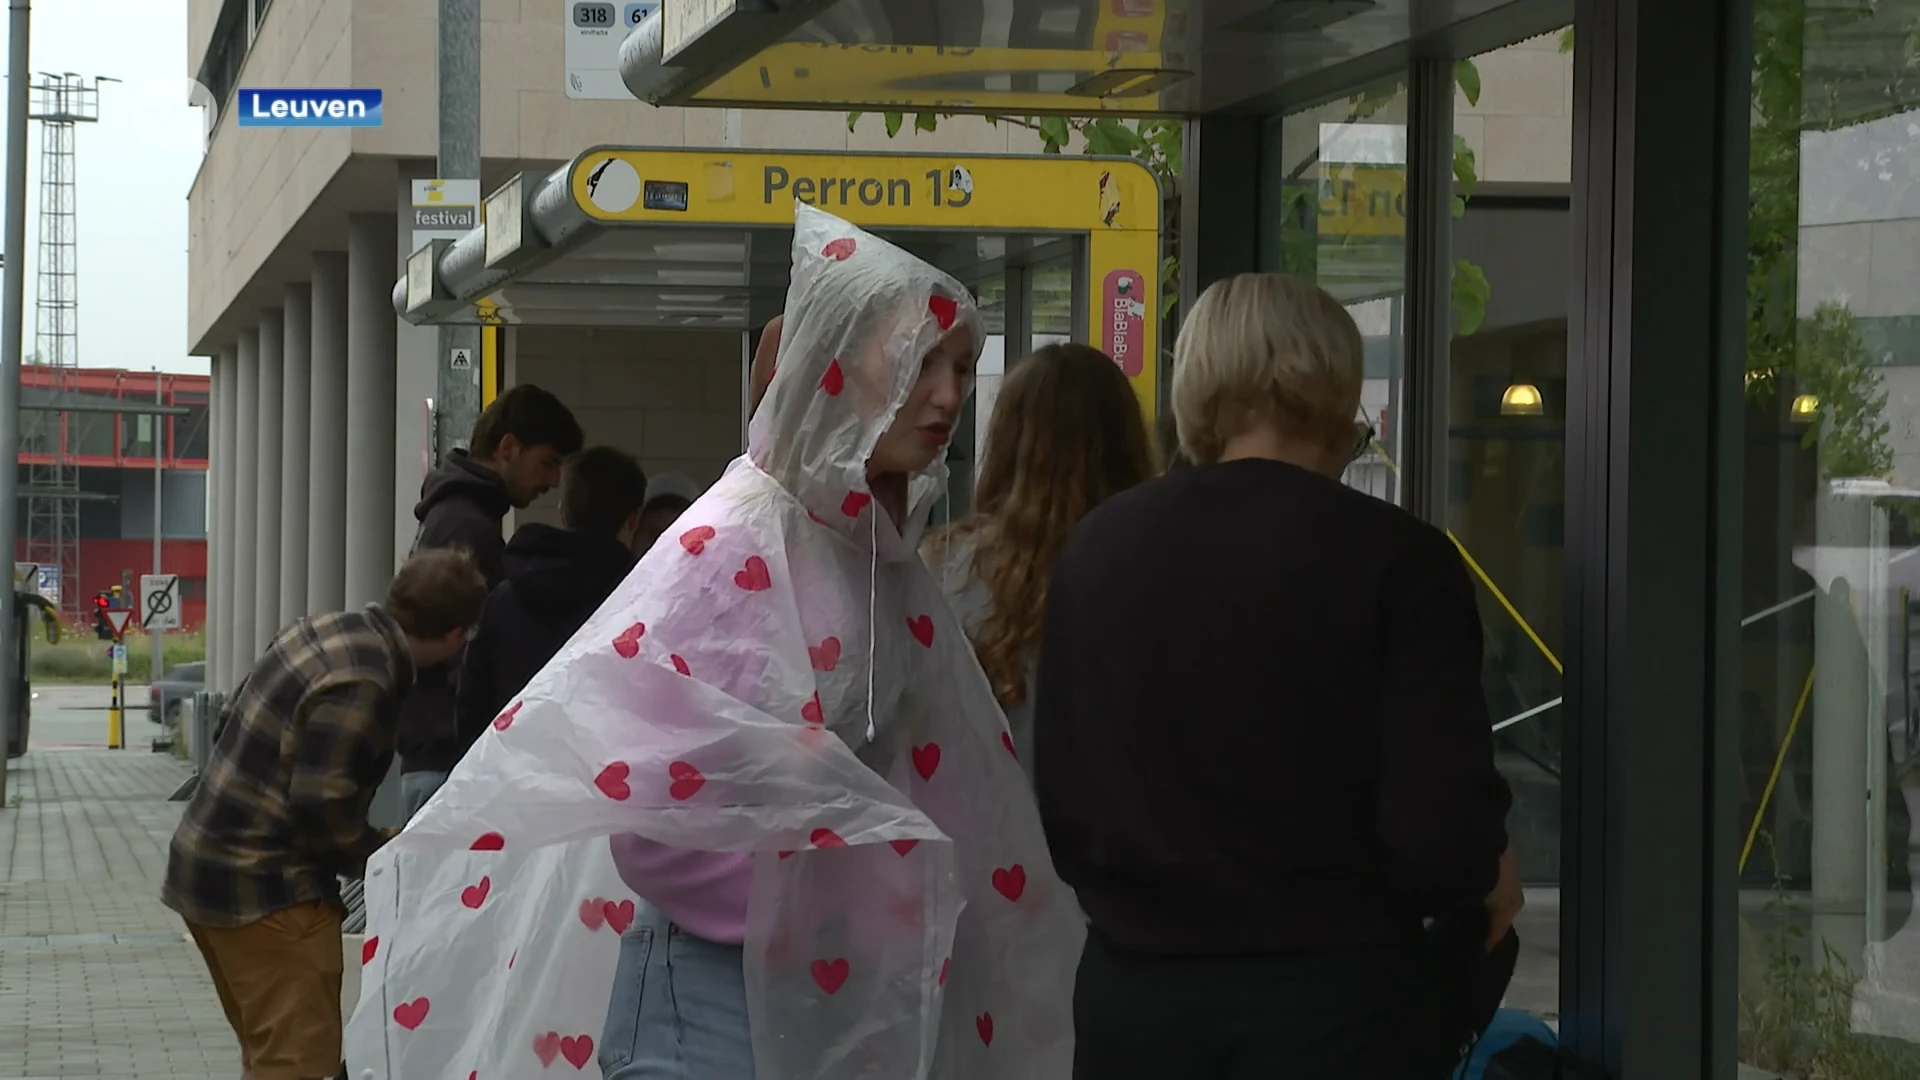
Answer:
[(97, 978)]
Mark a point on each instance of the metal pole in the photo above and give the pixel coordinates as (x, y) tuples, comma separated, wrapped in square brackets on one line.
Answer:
[(159, 448), (457, 392), (10, 312), (116, 721)]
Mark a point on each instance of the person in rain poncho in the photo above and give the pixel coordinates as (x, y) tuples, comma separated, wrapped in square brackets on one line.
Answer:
[(769, 763)]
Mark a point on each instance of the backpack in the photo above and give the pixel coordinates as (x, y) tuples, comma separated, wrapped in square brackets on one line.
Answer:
[(1516, 1046)]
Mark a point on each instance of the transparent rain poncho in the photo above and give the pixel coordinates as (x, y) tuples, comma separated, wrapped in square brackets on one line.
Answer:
[(779, 676)]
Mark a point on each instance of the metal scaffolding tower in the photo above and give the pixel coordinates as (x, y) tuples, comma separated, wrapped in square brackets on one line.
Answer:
[(61, 103)]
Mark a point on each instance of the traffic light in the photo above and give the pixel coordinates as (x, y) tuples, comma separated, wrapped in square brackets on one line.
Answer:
[(102, 628)]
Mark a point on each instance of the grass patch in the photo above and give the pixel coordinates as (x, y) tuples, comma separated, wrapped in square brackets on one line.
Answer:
[(1796, 1016), (82, 658)]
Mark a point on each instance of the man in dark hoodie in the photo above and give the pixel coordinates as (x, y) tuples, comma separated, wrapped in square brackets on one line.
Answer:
[(518, 447), (556, 579)]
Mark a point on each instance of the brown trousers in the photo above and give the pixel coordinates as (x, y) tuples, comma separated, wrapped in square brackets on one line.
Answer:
[(279, 981)]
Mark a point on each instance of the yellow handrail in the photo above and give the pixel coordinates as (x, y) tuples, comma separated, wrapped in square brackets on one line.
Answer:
[(1779, 760), (1486, 579)]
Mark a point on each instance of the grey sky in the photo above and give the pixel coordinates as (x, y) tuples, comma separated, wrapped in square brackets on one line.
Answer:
[(135, 167)]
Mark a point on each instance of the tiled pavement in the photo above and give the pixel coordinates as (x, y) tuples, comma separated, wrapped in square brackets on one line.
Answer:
[(97, 978)]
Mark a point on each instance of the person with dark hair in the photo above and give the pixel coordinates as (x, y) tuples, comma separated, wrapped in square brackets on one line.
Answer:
[(556, 578), (280, 814), (518, 447), (668, 496)]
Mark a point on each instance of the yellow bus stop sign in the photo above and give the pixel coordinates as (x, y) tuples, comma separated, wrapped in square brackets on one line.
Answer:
[(1113, 202)]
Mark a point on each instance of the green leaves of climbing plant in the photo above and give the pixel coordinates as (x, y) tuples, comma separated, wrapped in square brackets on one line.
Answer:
[(1471, 291)]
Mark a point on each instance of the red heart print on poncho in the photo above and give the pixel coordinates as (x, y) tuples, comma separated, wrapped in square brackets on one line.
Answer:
[(475, 895), (904, 847), (827, 838), (695, 539), (921, 627), (492, 841), (546, 1047), (367, 949), (944, 965), (619, 916), (834, 380), (1006, 740), (831, 975), (1011, 881), (984, 1025), (680, 665), (944, 310), (628, 643), (811, 711), (411, 1014), (840, 249), (577, 1049), (593, 913), (826, 655), (687, 781), (612, 782), (926, 759), (855, 502), (754, 576), (505, 719)]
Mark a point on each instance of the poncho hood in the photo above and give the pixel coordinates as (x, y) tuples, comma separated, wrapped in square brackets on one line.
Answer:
[(861, 316)]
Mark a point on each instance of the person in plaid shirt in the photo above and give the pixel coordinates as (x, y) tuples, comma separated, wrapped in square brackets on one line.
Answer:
[(281, 812)]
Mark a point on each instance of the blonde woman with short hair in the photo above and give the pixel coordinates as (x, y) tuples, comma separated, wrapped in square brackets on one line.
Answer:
[(1264, 758)]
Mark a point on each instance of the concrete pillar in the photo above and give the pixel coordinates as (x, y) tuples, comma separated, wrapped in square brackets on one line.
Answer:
[(327, 460), (246, 644), (295, 444), (266, 573), (372, 264), (220, 542)]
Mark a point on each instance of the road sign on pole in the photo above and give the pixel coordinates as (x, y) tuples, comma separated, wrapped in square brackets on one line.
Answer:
[(160, 601), (118, 618)]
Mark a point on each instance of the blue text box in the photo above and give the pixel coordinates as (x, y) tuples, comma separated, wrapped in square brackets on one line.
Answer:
[(280, 108)]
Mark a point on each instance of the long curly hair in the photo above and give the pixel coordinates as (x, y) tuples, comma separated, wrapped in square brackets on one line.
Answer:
[(1067, 434)]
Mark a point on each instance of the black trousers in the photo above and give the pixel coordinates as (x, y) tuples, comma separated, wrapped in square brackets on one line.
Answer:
[(1339, 1014)]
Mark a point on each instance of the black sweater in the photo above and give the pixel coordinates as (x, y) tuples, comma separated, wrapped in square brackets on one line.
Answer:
[(556, 579), (1258, 718), (461, 506)]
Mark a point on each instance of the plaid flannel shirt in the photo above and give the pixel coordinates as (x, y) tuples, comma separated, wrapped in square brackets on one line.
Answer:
[(281, 811)]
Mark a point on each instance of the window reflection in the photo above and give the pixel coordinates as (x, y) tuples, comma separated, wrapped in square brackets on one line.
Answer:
[(1826, 709), (1335, 213)]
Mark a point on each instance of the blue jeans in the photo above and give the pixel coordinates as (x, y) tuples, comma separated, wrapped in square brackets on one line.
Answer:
[(417, 787), (679, 1007)]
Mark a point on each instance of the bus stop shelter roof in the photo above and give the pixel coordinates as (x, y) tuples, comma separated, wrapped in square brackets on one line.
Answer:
[(1030, 57)]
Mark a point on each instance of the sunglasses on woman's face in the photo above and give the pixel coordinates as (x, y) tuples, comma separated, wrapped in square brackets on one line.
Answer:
[(1363, 435)]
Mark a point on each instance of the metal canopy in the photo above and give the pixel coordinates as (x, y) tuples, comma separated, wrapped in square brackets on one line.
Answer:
[(1030, 57), (635, 237)]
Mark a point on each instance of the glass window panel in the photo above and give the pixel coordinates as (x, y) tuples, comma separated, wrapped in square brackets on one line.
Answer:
[(1334, 212), (1506, 427), (90, 434), (1828, 701), (136, 435)]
